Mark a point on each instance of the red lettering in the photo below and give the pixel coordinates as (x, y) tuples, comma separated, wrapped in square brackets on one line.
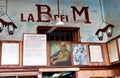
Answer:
[(63, 17), (85, 10), (22, 18), (67, 18), (56, 16), (31, 18), (44, 10), (40, 13)]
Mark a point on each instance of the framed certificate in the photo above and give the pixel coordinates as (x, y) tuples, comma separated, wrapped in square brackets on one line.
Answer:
[(10, 53), (34, 50), (96, 53), (112, 51)]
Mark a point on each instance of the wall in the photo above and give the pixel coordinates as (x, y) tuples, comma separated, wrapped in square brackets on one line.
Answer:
[(27, 8), (112, 14)]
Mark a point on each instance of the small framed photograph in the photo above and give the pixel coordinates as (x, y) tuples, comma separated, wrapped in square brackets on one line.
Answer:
[(96, 54), (79, 54), (113, 51), (60, 53), (10, 53)]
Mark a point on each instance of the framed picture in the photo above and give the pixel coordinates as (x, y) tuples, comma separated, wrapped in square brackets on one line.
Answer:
[(34, 47), (112, 51), (79, 54), (59, 74), (96, 54), (60, 54), (119, 44), (10, 53)]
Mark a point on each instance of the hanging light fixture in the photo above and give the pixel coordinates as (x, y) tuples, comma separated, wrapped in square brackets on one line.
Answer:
[(10, 30), (59, 22), (10, 25), (108, 28), (1, 27), (99, 34)]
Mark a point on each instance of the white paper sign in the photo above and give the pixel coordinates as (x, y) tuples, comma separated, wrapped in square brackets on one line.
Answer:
[(10, 53), (34, 50)]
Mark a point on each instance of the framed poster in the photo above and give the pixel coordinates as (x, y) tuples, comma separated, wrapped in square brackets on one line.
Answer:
[(112, 51), (60, 54), (119, 44), (96, 53), (34, 50), (79, 54), (10, 53)]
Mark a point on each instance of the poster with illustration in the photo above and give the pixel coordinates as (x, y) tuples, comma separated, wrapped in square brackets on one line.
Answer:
[(79, 54), (60, 54), (113, 51)]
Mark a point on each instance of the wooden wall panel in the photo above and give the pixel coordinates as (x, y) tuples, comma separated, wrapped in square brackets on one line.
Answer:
[(84, 74), (111, 73), (105, 54), (95, 73), (100, 73)]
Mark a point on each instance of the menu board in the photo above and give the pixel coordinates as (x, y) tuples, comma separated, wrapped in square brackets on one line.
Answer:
[(10, 54), (34, 50)]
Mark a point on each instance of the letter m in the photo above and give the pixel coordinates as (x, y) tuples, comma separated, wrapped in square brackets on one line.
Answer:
[(83, 10)]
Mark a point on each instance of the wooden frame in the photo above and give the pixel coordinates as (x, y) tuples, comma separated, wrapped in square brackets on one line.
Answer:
[(113, 51), (57, 58), (10, 54), (95, 52), (35, 48), (119, 44), (61, 33), (79, 54)]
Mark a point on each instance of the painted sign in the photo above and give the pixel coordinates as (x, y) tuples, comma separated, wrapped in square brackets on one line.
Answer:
[(40, 12)]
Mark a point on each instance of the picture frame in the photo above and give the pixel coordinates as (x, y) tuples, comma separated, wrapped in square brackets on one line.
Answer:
[(95, 52), (118, 44), (10, 55), (35, 48), (113, 51), (60, 53), (79, 54), (59, 74)]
